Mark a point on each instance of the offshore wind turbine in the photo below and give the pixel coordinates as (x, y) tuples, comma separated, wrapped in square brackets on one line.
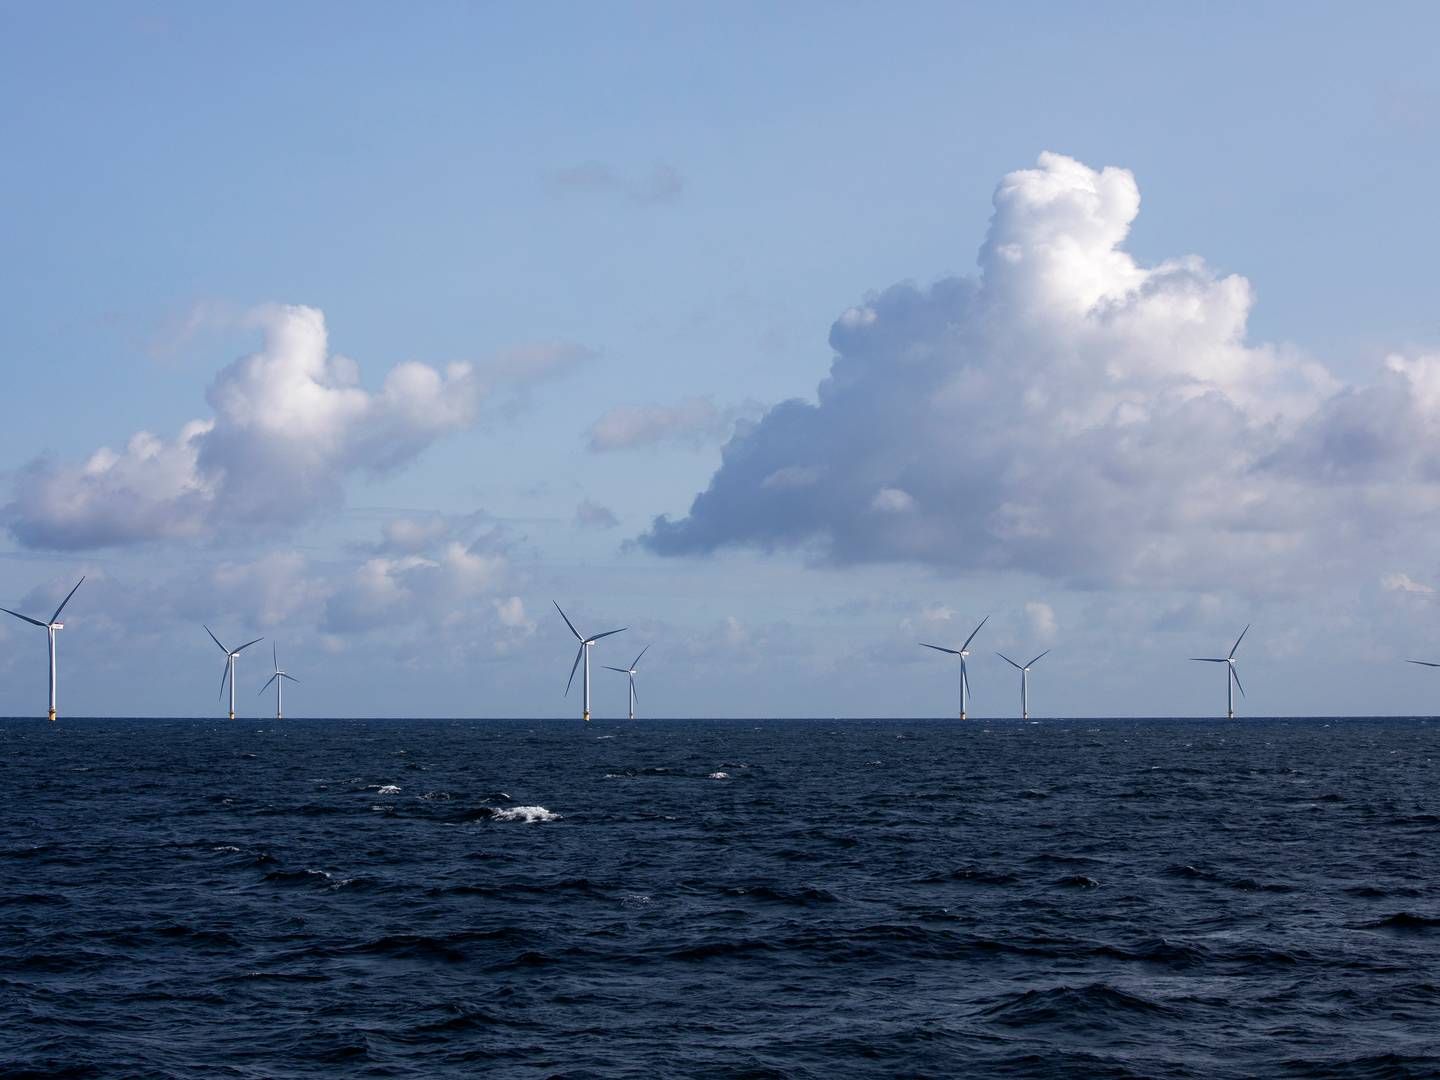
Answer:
[(1232, 680), (585, 646), (50, 627), (229, 673), (279, 680), (1024, 681), (962, 653), (630, 671)]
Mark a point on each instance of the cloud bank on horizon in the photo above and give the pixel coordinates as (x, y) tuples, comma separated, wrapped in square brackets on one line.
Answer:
[(291, 424), (1074, 414)]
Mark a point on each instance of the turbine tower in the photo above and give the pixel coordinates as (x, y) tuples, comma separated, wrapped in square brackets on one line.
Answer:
[(1024, 681), (585, 645), (962, 653), (49, 627), (1232, 680), (279, 680), (630, 671), (229, 673)]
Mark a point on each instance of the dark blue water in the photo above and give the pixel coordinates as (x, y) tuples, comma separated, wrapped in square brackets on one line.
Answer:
[(788, 899)]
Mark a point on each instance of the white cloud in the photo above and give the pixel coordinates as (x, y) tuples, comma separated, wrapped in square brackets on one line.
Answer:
[(1042, 619), (693, 421), (1404, 583), (889, 500), (291, 423), (1075, 414)]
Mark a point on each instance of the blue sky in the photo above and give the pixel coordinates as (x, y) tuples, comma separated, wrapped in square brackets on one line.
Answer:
[(615, 234)]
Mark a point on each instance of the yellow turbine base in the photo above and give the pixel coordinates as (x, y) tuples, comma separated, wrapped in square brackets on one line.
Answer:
[(232, 716), (587, 716), (52, 716)]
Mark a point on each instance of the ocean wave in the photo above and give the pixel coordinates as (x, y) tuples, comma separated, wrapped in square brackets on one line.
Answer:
[(1403, 920), (1096, 1005), (524, 813)]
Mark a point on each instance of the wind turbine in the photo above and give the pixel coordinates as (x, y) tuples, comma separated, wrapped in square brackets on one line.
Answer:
[(585, 644), (230, 655), (1232, 680), (50, 628), (631, 672), (962, 653), (1024, 681), (279, 680)]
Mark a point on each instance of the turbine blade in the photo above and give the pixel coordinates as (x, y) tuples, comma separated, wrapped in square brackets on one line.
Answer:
[(1007, 660), (568, 622), (27, 618), (632, 689), (573, 666), (216, 640), (636, 662), (623, 671), (247, 644), (267, 684), (56, 616), (1040, 657), (275, 655), (1422, 663), (1237, 641), (941, 648), (223, 676), (285, 675), (1210, 659), (973, 633), (1236, 674), (607, 633), (965, 679)]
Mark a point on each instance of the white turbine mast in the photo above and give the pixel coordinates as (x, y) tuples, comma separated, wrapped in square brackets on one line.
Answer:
[(1232, 680), (229, 672), (279, 680), (1024, 680), (584, 653), (963, 652), (630, 671), (50, 628)]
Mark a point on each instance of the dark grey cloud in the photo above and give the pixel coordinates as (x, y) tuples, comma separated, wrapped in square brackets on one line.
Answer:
[(662, 183)]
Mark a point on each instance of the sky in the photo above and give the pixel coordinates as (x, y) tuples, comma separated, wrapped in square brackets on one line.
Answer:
[(787, 339)]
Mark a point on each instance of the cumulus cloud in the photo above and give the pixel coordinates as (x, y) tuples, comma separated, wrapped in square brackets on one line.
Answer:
[(290, 424), (692, 421), (1076, 414)]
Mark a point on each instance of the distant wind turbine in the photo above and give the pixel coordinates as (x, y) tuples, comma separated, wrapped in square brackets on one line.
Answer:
[(1422, 663), (49, 627), (279, 680), (229, 673), (630, 671), (585, 645), (1024, 681), (1232, 680), (962, 653)]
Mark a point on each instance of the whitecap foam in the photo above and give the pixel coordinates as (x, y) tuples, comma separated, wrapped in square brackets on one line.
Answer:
[(718, 776), (388, 789), (525, 813)]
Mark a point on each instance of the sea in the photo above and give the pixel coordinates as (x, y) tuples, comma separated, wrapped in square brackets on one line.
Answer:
[(724, 898)]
